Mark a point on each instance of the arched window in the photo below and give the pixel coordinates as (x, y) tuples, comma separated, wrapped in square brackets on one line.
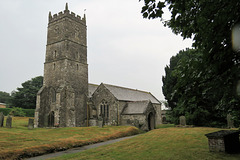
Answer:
[(104, 110)]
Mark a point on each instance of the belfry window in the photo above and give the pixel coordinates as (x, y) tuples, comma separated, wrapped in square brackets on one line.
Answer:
[(104, 110), (55, 53), (52, 95)]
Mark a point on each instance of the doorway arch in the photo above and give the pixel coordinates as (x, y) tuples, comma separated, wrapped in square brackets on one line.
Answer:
[(51, 119), (151, 121)]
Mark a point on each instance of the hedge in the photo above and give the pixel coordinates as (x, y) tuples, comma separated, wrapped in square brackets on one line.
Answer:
[(28, 112)]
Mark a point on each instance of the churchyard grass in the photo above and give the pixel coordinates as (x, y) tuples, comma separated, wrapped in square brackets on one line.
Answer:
[(19, 141), (159, 144)]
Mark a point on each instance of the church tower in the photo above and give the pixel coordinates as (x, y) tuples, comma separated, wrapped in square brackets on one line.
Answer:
[(62, 100)]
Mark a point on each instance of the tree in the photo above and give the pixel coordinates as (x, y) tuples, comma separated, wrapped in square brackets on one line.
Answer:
[(5, 97), (209, 24), (192, 90), (25, 97)]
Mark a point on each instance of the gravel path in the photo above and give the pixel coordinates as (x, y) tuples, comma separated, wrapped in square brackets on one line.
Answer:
[(78, 149)]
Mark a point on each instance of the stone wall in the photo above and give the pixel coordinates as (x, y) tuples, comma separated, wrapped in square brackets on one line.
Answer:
[(158, 115), (216, 145), (103, 94)]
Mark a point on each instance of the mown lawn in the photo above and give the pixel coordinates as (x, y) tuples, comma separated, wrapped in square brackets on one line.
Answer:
[(19, 141), (161, 144)]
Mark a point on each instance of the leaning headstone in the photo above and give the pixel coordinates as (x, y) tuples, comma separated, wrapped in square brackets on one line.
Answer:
[(230, 121), (30, 123), (1, 119), (9, 122), (182, 120)]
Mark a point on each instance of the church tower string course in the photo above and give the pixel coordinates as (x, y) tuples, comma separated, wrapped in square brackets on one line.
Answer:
[(63, 98)]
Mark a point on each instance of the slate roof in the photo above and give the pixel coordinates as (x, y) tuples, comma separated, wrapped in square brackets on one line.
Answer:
[(138, 107), (91, 89), (125, 94)]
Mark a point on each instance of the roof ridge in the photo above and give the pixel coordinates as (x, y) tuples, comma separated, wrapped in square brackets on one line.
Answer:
[(126, 88), (139, 101)]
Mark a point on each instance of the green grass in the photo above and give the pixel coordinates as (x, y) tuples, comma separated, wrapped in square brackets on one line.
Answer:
[(160, 144), (19, 141)]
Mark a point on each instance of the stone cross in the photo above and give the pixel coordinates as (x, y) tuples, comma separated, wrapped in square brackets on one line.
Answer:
[(9, 122), (182, 121), (230, 121), (1, 119), (30, 123)]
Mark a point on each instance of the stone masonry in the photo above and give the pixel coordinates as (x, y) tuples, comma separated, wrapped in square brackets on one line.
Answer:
[(62, 99), (68, 100)]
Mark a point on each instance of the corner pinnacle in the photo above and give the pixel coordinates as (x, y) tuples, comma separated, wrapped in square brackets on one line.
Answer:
[(66, 7)]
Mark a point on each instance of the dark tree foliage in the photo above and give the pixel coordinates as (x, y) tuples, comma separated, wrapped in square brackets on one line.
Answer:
[(191, 89), (25, 97), (5, 97), (209, 24)]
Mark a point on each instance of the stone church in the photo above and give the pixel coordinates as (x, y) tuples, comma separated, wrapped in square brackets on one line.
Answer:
[(68, 100)]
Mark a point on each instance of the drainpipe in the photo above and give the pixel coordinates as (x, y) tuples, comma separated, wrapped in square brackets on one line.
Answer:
[(87, 114), (118, 116)]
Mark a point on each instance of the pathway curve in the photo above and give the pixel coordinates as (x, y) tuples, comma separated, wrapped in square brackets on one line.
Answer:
[(78, 149)]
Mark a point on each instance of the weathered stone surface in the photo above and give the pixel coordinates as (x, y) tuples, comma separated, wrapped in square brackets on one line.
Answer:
[(230, 121), (62, 101), (182, 120), (100, 122), (1, 119), (9, 122), (30, 123), (224, 141), (63, 98)]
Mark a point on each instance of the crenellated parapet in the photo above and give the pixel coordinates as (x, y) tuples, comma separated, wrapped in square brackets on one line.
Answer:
[(66, 13)]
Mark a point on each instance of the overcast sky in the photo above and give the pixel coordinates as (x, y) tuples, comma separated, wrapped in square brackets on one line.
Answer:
[(123, 48)]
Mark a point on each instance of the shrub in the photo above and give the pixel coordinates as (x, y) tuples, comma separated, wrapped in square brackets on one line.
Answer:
[(17, 112), (29, 112), (5, 111)]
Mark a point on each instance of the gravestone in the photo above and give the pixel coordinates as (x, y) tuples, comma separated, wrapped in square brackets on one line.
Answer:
[(1, 119), (9, 122), (30, 123), (230, 121), (182, 121), (100, 122)]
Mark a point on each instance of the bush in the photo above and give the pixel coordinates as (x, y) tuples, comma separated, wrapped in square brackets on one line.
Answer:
[(27, 112), (5, 111), (15, 111)]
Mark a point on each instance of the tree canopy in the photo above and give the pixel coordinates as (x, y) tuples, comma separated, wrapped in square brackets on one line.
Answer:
[(194, 91), (209, 23), (5, 97), (25, 97), (203, 81)]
